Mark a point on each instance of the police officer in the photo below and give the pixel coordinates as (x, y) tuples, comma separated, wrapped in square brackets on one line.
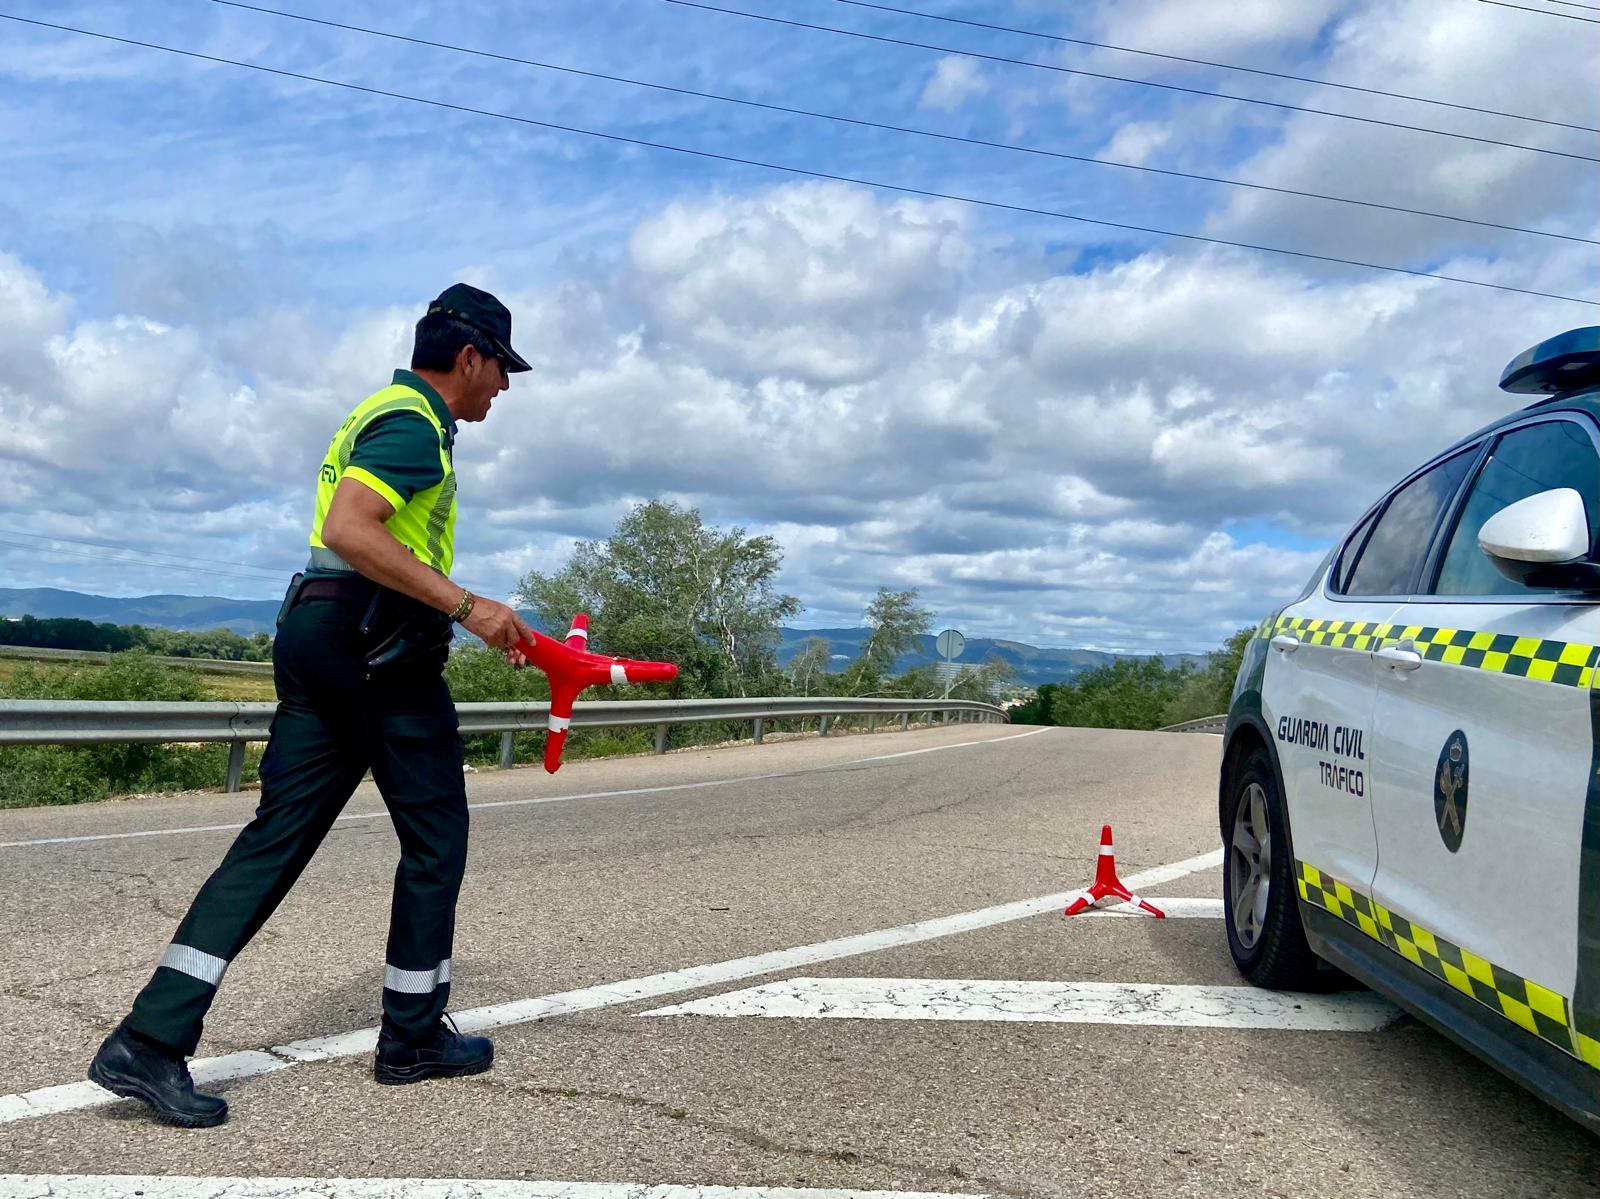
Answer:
[(358, 663)]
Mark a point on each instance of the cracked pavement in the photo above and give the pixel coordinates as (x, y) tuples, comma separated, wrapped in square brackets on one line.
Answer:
[(561, 896)]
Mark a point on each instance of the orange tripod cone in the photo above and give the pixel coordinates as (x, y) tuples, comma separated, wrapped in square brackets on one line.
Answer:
[(1107, 885)]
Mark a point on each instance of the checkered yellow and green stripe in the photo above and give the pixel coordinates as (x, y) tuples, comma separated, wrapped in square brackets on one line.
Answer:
[(1567, 663), (1545, 1013)]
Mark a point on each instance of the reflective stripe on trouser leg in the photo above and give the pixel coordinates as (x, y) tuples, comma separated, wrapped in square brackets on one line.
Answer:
[(416, 982), (196, 963)]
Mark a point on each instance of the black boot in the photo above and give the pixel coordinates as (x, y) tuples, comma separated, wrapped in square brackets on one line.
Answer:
[(136, 1068), (445, 1053)]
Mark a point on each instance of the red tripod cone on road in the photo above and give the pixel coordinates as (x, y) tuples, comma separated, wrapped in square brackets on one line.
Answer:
[(1107, 885), (571, 667)]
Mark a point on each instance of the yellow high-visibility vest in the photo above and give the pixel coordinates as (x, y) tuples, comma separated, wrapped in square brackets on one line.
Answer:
[(426, 523)]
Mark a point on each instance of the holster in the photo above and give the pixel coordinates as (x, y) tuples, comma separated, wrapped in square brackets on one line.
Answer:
[(290, 596), (397, 632)]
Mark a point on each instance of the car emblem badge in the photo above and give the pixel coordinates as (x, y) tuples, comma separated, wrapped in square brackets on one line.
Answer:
[(1450, 790)]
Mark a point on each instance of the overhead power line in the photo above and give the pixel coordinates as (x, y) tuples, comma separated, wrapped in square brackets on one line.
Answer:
[(1169, 87), (1549, 12), (622, 139), (1225, 66), (860, 122)]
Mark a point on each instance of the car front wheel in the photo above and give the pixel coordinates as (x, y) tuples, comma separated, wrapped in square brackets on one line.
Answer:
[(1265, 935)]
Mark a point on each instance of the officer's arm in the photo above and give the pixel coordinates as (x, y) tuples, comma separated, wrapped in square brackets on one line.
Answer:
[(354, 529)]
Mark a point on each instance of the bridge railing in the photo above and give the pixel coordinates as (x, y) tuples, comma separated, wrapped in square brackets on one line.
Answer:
[(103, 722)]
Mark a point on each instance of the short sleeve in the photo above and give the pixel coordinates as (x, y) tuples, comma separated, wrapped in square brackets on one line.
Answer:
[(397, 456)]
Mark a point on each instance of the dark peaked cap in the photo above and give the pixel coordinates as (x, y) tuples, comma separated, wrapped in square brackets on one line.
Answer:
[(487, 315)]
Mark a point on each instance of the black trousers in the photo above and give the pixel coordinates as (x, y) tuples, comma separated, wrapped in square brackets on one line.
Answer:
[(332, 725)]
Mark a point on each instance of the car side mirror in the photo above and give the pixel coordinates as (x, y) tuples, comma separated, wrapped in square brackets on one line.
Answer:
[(1543, 541)]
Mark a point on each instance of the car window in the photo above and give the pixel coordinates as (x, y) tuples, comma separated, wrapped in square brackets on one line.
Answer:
[(1525, 462), (1352, 551), (1388, 565)]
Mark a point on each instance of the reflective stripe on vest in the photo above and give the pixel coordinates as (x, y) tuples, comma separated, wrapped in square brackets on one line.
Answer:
[(426, 523)]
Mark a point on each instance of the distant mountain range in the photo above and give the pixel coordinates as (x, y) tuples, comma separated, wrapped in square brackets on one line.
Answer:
[(1032, 664), (160, 611)]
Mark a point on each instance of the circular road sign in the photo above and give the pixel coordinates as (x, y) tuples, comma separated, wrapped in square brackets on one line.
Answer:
[(950, 644)]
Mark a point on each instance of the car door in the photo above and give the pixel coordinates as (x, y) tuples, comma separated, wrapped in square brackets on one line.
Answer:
[(1483, 753), (1320, 683)]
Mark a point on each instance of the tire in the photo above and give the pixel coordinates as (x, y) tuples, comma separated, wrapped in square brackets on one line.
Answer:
[(1259, 898)]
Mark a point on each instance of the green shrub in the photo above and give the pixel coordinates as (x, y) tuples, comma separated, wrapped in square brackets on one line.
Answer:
[(66, 774)]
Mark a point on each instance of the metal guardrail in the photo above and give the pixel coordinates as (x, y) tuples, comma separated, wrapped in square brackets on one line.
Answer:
[(31, 653), (105, 722), (1206, 724)]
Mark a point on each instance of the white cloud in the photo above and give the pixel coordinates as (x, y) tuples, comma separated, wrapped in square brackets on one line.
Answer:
[(955, 81), (1135, 142)]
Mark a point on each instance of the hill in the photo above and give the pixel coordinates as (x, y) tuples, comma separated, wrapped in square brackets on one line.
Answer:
[(1034, 665), (198, 612)]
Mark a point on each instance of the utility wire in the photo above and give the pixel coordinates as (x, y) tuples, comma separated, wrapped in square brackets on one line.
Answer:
[(622, 139), (264, 572), (1573, 4), (1201, 62), (1546, 11), (948, 137), (1170, 87)]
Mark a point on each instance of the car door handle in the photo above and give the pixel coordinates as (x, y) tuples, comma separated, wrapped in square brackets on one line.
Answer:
[(1286, 643), (1397, 658)]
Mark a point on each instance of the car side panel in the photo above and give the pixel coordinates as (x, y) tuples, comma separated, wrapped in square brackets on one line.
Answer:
[(1317, 701), (1489, 859)]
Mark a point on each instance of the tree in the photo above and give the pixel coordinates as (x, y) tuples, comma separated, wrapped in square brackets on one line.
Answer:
[(808, 668), (985, 682), (1209, 691), (667, 586), (1039, 709), (896, 623), (1130, 693)]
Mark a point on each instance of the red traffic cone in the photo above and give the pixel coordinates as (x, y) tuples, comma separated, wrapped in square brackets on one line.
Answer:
[(1107, 885), (571, 667)]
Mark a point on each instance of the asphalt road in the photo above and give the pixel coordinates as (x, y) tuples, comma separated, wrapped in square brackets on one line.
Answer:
[(654, 866)]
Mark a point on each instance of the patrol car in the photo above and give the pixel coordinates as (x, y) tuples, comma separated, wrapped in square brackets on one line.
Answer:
[(1410, 786)]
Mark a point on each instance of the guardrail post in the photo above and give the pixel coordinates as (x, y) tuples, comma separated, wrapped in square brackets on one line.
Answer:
[(235, 765), (905, 721), (822, 726), (947, 716), (758, 726), (661, 738), (872, 722), (508, 750)]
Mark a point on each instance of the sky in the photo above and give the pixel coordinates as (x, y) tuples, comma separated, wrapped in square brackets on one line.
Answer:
[(1057, 431)]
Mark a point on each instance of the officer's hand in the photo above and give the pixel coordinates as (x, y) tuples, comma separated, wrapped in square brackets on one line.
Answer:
[(495, 624)]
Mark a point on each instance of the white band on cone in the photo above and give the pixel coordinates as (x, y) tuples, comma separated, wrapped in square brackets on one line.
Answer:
[(619, 674), (575, 631), (560, 724)]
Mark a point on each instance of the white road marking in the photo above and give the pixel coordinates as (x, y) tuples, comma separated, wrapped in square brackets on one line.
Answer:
[(544, 799), (124, 1186), (1176, 908), (49, 1101), (1179, 1006)]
